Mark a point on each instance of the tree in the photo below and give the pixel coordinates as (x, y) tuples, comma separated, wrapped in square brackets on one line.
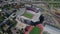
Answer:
[(45, 32)]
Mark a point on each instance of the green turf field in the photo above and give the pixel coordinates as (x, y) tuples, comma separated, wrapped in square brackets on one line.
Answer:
[(28, 15), (35, 30)]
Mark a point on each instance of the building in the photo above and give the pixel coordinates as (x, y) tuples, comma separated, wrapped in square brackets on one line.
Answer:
[(27, 17), (52, 3)]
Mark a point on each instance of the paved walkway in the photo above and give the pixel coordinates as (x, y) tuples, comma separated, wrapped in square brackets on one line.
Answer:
[(20, 25)]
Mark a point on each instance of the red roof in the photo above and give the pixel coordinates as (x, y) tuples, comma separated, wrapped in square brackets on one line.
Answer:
[(17, 6)]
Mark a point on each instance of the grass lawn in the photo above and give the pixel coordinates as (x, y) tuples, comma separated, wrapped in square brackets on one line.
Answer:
[(28, 15), (14, 23), (35, 30), (1, 18)]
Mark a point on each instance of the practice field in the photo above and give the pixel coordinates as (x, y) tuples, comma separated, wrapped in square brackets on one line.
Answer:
[(28, 15), (35, 30)]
